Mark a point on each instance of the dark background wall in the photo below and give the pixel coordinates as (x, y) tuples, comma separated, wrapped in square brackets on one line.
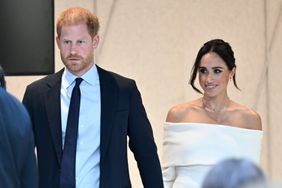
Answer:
[(27, 37)]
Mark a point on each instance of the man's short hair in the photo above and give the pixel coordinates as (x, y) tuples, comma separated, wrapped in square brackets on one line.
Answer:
[(78, 15)]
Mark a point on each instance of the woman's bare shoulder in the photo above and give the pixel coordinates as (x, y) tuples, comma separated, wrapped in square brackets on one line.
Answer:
[(179, 112), (249, 117)]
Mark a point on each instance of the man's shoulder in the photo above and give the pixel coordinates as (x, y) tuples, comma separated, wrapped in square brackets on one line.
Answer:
[(10, 106), (51, 79), (113, 76), (8, 98)]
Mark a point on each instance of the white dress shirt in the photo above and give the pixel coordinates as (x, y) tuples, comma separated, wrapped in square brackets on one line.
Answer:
[(88, 141)]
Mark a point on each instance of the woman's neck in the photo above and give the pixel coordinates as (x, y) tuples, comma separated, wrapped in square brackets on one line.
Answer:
[(215, 104)]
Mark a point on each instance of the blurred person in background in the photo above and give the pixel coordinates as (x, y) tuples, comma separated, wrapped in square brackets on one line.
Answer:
[(235, 173), (18, 167), (2, 78)]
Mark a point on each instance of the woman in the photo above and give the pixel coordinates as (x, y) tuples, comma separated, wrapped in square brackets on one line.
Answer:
[(200, 133)]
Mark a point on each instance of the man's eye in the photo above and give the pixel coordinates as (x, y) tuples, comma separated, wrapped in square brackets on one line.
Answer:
[(80, 42), (67, 42)]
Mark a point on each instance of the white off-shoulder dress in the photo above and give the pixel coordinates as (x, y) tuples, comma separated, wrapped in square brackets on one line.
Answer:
[(191, 149)]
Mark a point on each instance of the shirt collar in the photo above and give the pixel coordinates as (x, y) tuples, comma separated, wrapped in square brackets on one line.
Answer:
[(91, 77)]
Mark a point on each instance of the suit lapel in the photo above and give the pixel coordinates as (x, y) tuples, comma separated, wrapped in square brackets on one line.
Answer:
[(53, 110), (108, 91)]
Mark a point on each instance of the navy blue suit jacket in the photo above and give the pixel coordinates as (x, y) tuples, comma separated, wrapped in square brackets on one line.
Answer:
[(122, 116), (17, 158)]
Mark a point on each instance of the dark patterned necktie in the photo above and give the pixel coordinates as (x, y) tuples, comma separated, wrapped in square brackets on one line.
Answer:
[(67, 178)]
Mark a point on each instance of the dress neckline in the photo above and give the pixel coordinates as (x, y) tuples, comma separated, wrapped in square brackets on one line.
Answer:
[(210, 125)]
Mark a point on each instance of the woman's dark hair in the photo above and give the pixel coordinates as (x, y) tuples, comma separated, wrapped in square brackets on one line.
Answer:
[(221, 48), (234, 173)]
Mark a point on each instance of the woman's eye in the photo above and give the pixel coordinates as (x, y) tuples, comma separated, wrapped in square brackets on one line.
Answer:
[(217, 71), (203, 71)]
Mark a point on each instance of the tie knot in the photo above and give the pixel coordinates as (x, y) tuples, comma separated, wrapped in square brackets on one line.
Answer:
[(78, 81)]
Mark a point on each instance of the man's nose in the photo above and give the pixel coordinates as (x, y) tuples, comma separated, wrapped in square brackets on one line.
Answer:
[(73, 49)]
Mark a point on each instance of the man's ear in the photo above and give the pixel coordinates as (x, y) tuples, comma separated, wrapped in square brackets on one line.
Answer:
[(95, 41), (58, 41)]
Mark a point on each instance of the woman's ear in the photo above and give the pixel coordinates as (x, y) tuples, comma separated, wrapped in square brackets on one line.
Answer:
[(232, 73)]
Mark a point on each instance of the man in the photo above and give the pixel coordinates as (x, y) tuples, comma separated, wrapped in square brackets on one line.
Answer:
[(110, 110), (17, 159)]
